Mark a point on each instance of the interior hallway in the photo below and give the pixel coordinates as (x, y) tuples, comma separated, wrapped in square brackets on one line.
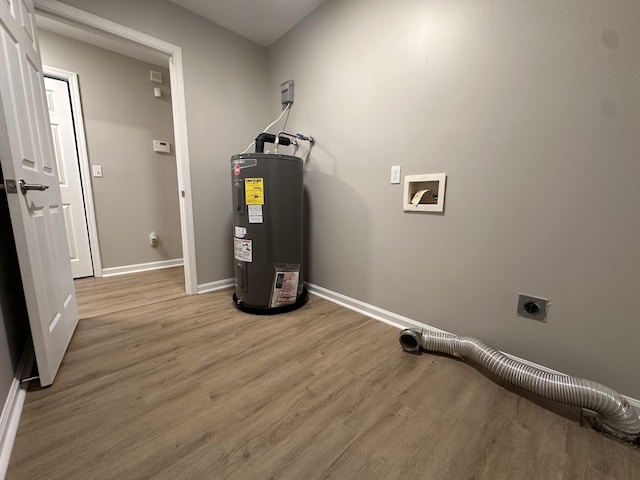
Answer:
[(158, 384)]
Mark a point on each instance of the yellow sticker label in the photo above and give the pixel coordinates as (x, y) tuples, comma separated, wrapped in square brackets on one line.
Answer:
[(254, 191)]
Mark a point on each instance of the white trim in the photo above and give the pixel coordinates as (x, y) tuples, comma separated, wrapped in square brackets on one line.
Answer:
[(184, 172), (66, 12), (13, 408), (217, 285), (400, 322), (83, 160), (385, 316), (141, 267)]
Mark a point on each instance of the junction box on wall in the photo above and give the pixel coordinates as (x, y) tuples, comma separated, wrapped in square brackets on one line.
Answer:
[(286, 92)]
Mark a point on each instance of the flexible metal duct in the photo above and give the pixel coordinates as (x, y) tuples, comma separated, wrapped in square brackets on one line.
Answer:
[(615, 415)]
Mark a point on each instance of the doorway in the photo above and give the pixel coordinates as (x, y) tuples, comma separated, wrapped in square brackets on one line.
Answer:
[(73, 18), (132, 188)]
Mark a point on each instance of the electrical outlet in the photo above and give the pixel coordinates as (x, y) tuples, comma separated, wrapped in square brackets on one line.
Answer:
[(395, 174), (532, 307)]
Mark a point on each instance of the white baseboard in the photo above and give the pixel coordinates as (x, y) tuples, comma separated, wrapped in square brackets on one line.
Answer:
[(217, 285), (377, 313), (141, 267), (400, 322), (13, 408)]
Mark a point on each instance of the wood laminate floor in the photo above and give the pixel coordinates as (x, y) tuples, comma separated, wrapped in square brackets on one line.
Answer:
[(160, 385)]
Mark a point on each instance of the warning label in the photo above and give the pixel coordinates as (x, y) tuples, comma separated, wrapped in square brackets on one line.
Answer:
[(241, 232), (242, 250), (255, 213), (254, 191), (285, 289)]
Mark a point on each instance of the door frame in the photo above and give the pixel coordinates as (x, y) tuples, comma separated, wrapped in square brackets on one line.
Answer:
[(83, 160), (174, 52)]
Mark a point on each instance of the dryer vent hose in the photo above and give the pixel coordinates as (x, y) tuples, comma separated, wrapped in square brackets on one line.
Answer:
[(615, 415)]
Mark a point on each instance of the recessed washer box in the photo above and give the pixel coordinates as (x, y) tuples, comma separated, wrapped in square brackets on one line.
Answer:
[(424, 193)]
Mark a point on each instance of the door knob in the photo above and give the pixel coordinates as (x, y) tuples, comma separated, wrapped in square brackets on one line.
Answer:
[(25, 187)]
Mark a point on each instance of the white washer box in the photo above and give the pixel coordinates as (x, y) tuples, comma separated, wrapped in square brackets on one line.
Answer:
[(424, 193)]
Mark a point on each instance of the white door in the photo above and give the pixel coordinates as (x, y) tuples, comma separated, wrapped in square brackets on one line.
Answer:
[(26, 153), (66, 153)]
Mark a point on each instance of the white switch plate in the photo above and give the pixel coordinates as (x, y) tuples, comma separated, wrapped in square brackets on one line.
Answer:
[(395, 174), (97, 171)]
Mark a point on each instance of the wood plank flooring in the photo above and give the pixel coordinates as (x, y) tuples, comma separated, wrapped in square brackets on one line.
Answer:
[(160, 385)]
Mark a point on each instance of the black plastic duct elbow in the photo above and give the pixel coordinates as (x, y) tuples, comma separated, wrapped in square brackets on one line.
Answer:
[(269, 138)]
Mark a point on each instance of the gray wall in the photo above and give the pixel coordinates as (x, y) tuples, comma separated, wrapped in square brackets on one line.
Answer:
[(138, 193), (532, 108), (226, 84)]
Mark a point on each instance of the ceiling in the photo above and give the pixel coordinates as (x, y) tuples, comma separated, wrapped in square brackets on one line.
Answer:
[(263, 21)]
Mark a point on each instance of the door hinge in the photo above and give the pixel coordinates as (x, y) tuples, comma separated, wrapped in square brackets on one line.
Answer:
[(10, 186)]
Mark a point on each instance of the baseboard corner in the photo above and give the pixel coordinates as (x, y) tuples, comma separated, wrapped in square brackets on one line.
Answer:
[(217, 285)]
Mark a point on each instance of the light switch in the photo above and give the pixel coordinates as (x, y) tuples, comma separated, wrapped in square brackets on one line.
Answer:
[(97, 171), (395, 174)]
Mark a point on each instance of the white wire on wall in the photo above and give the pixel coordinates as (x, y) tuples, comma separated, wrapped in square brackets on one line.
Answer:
[(286, 110)]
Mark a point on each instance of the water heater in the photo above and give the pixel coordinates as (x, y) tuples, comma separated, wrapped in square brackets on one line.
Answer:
[(267, 191)]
